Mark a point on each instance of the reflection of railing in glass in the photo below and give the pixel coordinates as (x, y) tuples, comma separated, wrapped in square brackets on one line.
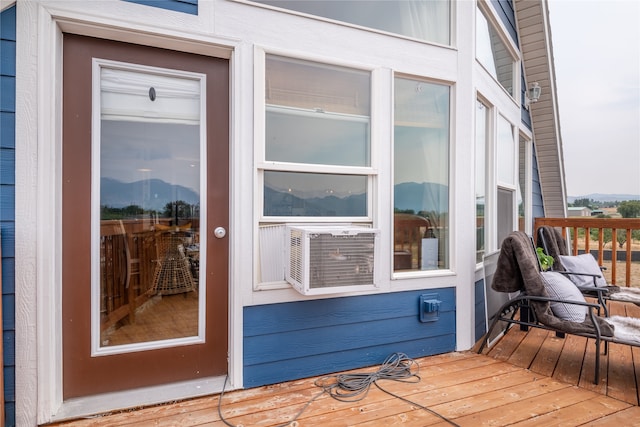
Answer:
[(132, 305)]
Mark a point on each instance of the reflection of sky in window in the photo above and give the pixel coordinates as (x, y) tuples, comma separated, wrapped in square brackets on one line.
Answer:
[(421, 155), (133, 151), (506, 152), (421, 132), (423, 19), (484, 53), (323, 139)]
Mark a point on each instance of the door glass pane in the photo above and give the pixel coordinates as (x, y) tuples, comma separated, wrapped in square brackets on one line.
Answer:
[(149, 207)]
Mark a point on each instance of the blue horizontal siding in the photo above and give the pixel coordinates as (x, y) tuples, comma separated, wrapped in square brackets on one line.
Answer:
[(480, 318), (8, 24), (7, 56), (7, 129), (507, 14), (7, 202), (7, 166), (184, 6), (7, 93), (287, 341)]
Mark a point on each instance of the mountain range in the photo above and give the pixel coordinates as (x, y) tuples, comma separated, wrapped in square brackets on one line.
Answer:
[(426, 196), (408, 196), (155, 192)]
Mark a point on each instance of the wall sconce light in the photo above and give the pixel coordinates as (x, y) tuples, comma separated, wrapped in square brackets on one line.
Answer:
[(533, 94), (535, 91)]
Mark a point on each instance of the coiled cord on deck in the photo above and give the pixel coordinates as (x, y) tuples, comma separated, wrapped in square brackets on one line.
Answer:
[(355, 387)]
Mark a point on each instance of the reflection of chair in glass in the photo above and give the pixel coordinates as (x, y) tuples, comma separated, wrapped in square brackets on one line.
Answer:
[(409, 230), (173, 271)]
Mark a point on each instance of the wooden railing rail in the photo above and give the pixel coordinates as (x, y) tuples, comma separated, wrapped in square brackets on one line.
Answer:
[(578, 232)]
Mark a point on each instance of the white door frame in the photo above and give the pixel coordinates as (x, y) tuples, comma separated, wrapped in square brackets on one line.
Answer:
[(39, 27)]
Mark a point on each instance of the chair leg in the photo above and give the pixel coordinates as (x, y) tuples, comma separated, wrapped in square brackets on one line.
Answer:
[(525, 316), (596, 378)]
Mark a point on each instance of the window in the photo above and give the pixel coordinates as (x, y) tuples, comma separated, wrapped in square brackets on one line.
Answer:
[(524, 177), (506, 174), (427, 20), (505, 213), (493, 53), (482, 117), (506, 150), (421, 175), (317, 152)]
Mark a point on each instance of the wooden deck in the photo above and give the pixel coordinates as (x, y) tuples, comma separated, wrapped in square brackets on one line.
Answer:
[(527, 378)]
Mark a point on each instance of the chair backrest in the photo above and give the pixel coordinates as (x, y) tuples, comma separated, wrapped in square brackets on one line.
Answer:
[(553, 244)]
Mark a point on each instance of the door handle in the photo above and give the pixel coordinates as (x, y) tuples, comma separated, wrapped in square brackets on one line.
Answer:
[(220, 232)]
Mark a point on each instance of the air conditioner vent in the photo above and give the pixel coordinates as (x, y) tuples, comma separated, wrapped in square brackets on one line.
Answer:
[(324, 259)]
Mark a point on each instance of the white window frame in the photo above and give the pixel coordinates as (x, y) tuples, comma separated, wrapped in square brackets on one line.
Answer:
[(494, 21), (452, 22), (410, 274), (262, 165)]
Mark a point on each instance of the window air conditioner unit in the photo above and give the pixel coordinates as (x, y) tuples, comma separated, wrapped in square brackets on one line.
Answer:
[(330, 259)]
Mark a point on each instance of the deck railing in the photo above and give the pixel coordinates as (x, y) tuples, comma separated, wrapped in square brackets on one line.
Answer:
[(610, 240)]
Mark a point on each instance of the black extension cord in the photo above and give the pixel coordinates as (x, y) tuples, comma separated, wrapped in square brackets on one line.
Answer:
[(355, 387)]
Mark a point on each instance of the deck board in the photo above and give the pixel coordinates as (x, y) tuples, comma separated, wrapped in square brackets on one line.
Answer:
[(525, 379)]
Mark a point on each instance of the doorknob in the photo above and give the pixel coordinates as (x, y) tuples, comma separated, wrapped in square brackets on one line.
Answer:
[(220, 232)]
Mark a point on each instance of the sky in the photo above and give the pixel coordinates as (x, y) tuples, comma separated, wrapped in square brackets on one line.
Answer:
[(596, 47)]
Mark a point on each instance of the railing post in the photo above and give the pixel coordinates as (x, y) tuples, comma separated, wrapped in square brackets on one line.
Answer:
[(614, 254), (628, 260)]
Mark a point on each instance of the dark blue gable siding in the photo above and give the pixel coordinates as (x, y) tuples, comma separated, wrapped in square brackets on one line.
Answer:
[(525, 114), (537, 203), (481, 317), (301, 339), (185, 6), (7, 201), (504, 9)]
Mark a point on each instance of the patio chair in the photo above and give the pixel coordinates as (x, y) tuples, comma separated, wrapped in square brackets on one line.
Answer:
[(583, 270), (552, 301)]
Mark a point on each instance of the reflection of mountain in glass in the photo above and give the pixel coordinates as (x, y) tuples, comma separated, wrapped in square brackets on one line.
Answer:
[(426, 196), (152, 194), (282, 203)]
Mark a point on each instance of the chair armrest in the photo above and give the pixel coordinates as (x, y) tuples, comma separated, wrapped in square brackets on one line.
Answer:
[(575, 273), (551, 299)]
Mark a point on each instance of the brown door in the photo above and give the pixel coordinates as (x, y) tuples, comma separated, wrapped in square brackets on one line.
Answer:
[(145, 183)]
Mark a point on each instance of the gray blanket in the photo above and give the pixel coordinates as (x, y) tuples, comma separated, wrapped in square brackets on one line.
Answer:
[(518, 270)]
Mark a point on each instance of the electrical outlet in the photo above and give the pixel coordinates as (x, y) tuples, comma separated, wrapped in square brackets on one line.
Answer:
[(429, 308)]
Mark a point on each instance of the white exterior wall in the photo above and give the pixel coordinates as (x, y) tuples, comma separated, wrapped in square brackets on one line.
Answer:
[(234, 30)]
